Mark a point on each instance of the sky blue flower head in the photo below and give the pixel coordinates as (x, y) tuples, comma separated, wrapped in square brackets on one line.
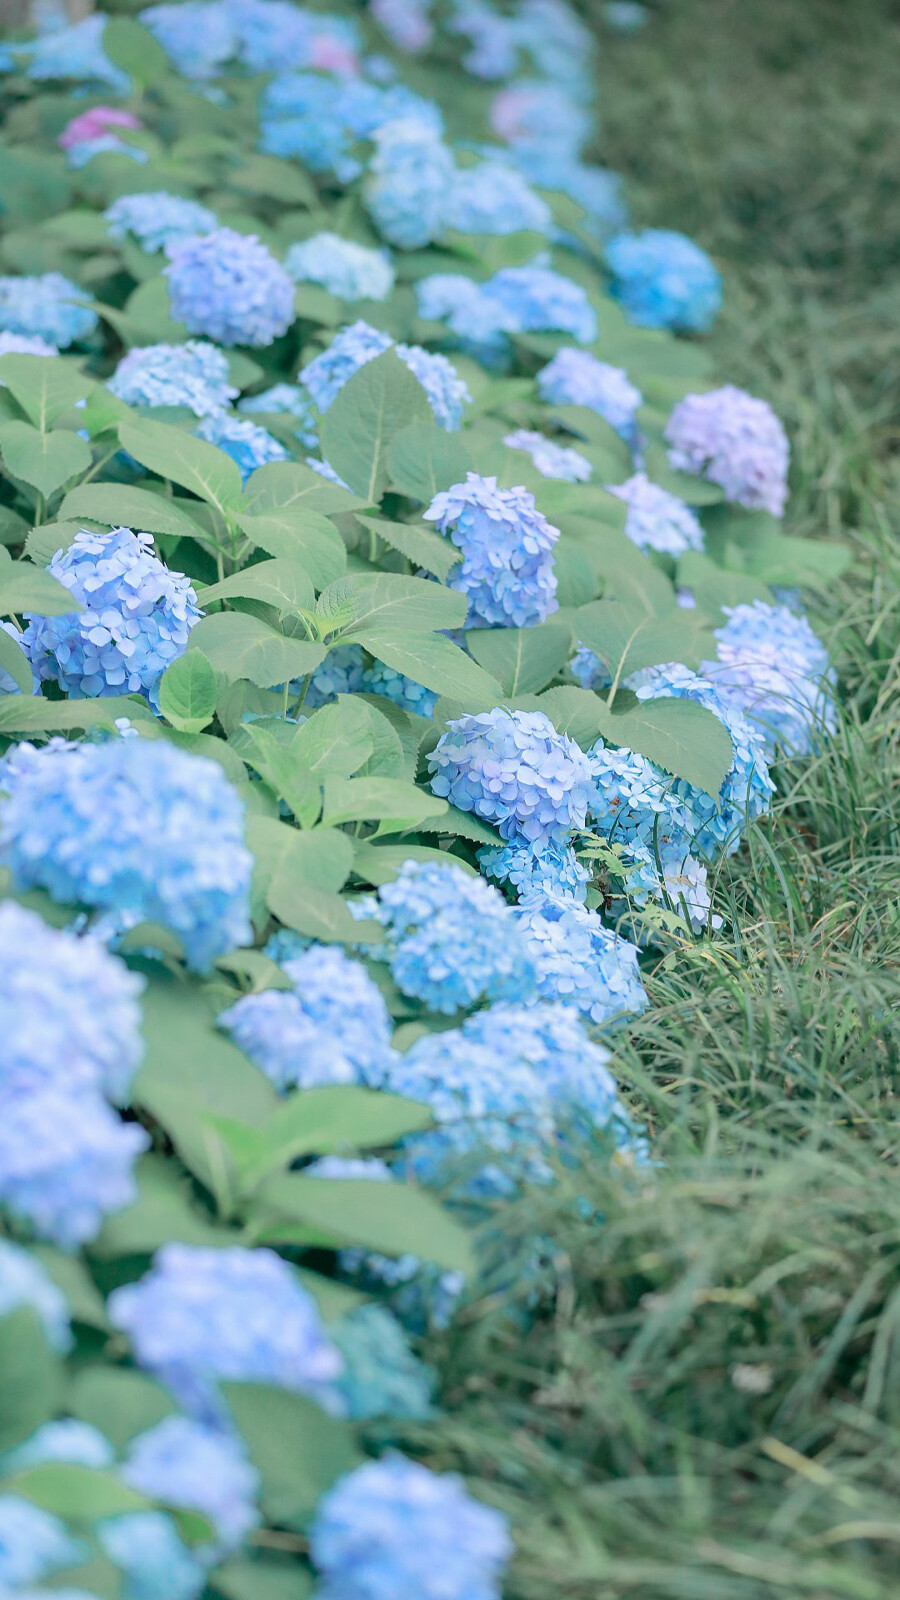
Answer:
[(229, 287), (381, 1376), (588, 670), (342, 672), (346, 269), (597, 190), (300, 120), (75, 52), (67, 1439), (576, 378), (635, 802), (406, 23), (513, 769), (84, 150), (579, 962), (538, 114), (451, 938), (287, 399), (201, 1316), (481, 325), (65, 1161), (551, 459), (664, 280), (409, 178), (771, 665), (193, 375), (25, 1282), (137, 829), (69, 1011), (198, 37), (495, 40), (506, 570), (494, 198), (248, 445), (45, 308), (658, 520), (747, 788), (157, 220), (735, 441), (195, 1467), (20, 344), (357, 344), (32, 1542), (147, 1550), (552, 867), (538, 298), (136, 618), (404, 691), (394, 1529)]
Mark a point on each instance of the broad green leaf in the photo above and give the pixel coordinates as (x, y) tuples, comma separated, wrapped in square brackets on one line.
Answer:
[(276, 179), (241, 646), (627, 637), (118, 1401), (388, 602), (288, 486), (182, 459), (713, 587), (680, 735), (433, 660), (417, 542), (262, 1577), (14, 661), (29, 714), (297, 1449), (300, 535), (321, 1121), (163, 1210), (337, 739), (44, 541), (396, 804), (25, 587), (283, 583), (523, 660), (76, 1493), (44, 386), (395, 739), (320, 913), (392, 1218), (118, 505), (30, 1377), (187, 692), (69, 1273), (424, 459), (357, 429), (187, 1053), (44, 460), (314, 864), (270, 748), (379, 863), (135, 50), (787, 561), (462, 825)]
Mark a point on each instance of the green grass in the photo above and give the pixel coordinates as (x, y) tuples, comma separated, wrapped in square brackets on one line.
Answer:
[(710, 1407)]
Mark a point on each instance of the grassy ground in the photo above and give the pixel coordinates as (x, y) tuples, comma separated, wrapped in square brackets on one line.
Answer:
[(712, 1410)]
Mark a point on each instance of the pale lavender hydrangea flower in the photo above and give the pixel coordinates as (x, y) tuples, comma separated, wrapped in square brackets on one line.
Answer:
[(576, 378), (21, 344), (658, 520), (551, 867), (771, 664), (154, 1562), (46, 308), (580, 962), (506, 571), (513, 769), (492, 197), (409, 178), (348, 270), (197, 1468), (538, 298), (194, 374), (735, 441), (357, 344), (248, 445), (33, 1543), (551, 459), (25, 1282), (157, 220), (229, 288)]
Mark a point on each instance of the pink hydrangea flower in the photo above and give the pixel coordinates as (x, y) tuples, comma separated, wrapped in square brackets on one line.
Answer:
[(328, 54), (94, 124)]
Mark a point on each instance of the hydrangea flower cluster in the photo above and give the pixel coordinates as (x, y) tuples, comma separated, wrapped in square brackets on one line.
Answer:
[(675, 877), (551, 459), (24, 1282), (451, 938), (405, 692), (135, 620), (92, 125), (514, 770), (286, 399), (46, 308), (595, 189), (481, 325), (199, 38), (409, 178), (77, 53), (33, 1543), (137, 829), (248, 445), (201, 1316), (342, 672), (20, 344), (534, 114), (658, 520), (576, 378), (634, 803), (194, 374), (357, 344), (391, 1527), (664, 280), (157, 219), (406, 22), (531, 299), (147, 1550), (492, 197), (735, 441), (579, 962), (229, 288), (348, 270), (317, 120), (771, 664), (187, 1463), (506, 570), (64, 1440), (552, 868)]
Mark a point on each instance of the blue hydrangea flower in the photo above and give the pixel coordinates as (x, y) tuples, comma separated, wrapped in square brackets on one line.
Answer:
[(75, 52), (576, 378), (157, 219), (481, 325), (409, 179), (287, 399), (300, 120), (664, 280), (32, 1542), (717, 825), (597, 190), (495, 40), (406, 22), (658, 520), (588, 670), (69, 1012), (381, 1377), (451, 938), (506, 570), (198, 37), (634, 802), (357, 344), (494, 198), (193, 375), (676, 878), (579, 962), (342, 672), (551, 459), (552, 867), (24, 1282), (392, 1528), (139, 830), (539, 298), (65, 1161), (205, 1315), (771, 665), (136, 618), (45, 308), (64, 1440), (405, 692), (20, 344), (274, 34), (735, 441), (344, 268), (562, 47), (248, 445), (229, 287), (105, 144), (513, 769), (147, 1550), (192, 1466), (447, 392), (537, 114)]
